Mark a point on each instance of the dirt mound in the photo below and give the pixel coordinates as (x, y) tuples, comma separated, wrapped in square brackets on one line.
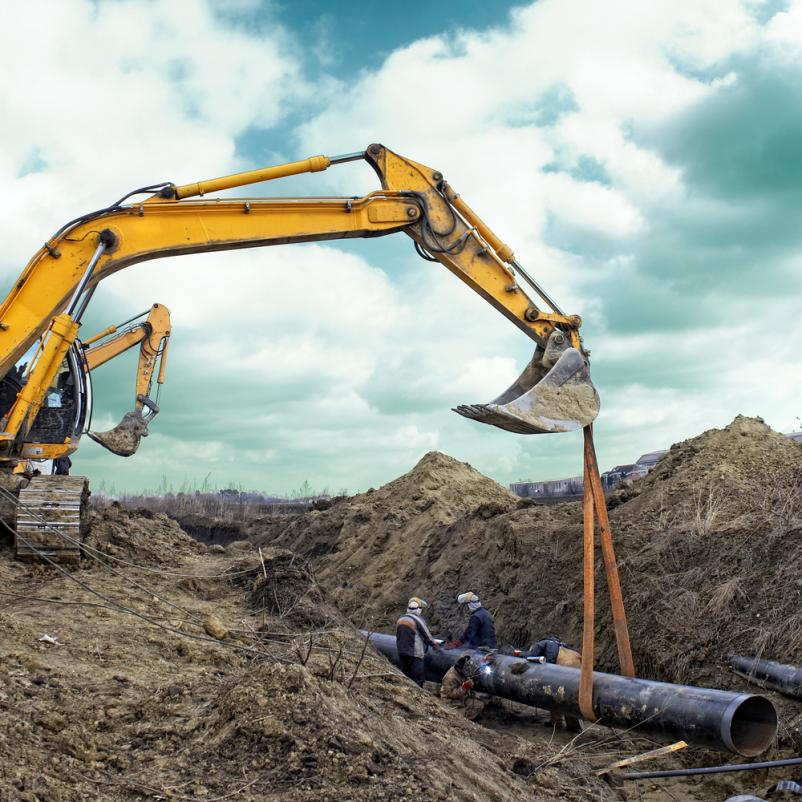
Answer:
[(146, 535), (366, 548), (727, 464), (709, 548), (287, 705)]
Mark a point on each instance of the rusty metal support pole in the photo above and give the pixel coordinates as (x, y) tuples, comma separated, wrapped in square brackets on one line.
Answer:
[(588, 567), (610, 564)]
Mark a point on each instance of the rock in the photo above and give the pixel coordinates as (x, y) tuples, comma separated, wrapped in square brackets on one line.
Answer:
[(240, 545), (214, 628)]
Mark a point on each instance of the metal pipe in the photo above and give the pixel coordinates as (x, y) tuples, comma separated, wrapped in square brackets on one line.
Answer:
[(536, 287), (79, 312), (780, 677), (735, 722), (347, 157), (766, 764), (101, 247)]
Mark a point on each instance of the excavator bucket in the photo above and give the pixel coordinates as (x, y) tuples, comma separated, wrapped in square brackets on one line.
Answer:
[(124, 438), (542, 399)]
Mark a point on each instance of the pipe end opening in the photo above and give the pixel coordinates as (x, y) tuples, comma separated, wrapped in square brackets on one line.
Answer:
[(750, 725)]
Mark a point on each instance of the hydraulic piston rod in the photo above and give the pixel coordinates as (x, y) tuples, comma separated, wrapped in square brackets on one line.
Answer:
[(734, 722), (768, 674)]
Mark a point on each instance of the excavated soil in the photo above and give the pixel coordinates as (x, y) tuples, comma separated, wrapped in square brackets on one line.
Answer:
[(181, 671), (375, 550), (162, 669), (709, 546)]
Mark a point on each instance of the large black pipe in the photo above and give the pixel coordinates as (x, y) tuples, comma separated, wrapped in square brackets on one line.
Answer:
[(735, 722), (768, 674)]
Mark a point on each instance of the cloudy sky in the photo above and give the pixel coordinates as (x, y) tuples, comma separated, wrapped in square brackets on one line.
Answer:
[(644, 160)]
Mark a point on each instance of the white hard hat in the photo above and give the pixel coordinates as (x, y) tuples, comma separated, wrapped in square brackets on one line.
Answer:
[(467, 598), (416, 604)]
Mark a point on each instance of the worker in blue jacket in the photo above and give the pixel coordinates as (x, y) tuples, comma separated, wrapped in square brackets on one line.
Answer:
[(481, 631)]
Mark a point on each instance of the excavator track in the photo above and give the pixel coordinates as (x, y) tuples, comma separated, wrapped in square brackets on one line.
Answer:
[(52, 518)]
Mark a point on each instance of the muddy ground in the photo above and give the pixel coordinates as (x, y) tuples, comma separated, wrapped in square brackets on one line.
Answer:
[(187, 671), (709, 547), (162, 669)]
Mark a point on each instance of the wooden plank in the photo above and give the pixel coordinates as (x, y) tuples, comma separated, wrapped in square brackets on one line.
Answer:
[(663, 750)]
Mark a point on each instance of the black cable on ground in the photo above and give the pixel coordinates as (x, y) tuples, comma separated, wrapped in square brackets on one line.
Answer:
[(767, 764)]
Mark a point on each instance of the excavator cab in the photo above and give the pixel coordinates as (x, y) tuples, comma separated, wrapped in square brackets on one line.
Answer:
[(66, 405)]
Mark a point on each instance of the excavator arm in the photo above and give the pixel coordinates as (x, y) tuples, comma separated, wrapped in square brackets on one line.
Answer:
[(152, 335), (554, 393)]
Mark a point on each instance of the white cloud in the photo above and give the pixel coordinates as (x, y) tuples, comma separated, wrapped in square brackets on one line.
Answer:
[(102, 98), (117, 95)]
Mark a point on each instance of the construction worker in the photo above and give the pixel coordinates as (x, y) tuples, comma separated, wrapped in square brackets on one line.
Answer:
[(457, 689), (481, 631), (412, 638), (553, 650)]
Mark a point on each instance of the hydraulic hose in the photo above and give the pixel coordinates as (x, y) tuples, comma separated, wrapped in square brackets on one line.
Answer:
[(766, 764)]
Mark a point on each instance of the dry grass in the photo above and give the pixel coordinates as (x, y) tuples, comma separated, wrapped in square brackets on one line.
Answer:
[(708, 506), (221, 505)]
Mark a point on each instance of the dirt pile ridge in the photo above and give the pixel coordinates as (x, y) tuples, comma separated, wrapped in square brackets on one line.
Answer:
[(141, 534), (285, 706), (709, 548), (726, 464), (366, 548)]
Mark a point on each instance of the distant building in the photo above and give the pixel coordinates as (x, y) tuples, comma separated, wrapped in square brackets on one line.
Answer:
[(573, 487), (552, 488), (645, 463)]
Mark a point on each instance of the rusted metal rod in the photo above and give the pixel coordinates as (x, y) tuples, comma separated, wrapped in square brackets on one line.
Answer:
[(608, 553)]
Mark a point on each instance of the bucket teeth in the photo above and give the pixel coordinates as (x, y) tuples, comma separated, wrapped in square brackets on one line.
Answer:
[(563, 400)]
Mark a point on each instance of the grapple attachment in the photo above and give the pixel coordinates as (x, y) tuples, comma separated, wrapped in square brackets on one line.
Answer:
[(553, 394), (124, 438)]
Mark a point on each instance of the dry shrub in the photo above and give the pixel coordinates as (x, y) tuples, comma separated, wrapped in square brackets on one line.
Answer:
[(284, 589), (724, 594), (778, 498), (708, 506)]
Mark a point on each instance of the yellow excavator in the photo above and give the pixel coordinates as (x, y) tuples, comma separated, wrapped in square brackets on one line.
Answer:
[(152, 335), (554, 393)]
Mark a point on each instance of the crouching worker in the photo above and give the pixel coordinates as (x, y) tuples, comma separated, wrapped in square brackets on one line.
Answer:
[(457, 689), (555, 651), (481, 631), (412, 637)]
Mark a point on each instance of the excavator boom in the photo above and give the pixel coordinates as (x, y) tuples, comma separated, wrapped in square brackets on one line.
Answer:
[(554, 393)]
